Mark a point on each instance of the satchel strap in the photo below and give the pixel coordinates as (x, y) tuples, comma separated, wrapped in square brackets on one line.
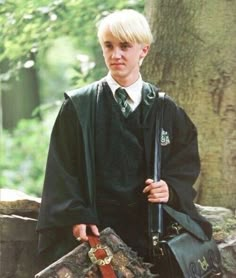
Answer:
[(101, 255), (158, 130), (155, 211)]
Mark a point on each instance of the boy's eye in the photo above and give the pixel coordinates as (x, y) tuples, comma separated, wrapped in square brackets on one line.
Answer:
[(125, 45), (108, 45)]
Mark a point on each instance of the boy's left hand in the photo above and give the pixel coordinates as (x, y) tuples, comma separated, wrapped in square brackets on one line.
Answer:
[(157, 192)]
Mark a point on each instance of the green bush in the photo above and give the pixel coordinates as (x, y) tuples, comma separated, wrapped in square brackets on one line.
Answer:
[(24, 155)]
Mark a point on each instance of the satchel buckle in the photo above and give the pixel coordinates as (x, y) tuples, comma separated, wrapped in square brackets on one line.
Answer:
[(155, 240), (103, 261), (157, 250), (176, 228)]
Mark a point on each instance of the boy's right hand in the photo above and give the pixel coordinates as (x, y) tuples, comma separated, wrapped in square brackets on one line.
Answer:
[(80, 231)]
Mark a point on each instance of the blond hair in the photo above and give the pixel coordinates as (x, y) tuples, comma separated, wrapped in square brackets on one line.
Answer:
[(127, 26)]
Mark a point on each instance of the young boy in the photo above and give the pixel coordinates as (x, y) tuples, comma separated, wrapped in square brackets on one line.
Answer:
[(100, 162)]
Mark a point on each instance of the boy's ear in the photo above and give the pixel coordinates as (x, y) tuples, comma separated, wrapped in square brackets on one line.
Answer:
[(145, 50)]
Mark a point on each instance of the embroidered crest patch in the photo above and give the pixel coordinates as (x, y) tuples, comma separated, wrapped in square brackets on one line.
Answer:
[(165, 140)]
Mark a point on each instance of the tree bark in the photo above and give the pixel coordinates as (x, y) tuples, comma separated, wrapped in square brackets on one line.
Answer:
[(193, 59), (20, 97)]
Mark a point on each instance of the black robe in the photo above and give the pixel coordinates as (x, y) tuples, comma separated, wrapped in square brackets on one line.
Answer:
[(69, 189)]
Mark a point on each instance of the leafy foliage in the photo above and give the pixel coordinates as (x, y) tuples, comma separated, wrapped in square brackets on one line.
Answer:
[(30, 26), (24, 155), (28, 30)]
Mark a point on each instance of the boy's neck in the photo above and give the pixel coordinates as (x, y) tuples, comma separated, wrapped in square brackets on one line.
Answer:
[(126, 82)]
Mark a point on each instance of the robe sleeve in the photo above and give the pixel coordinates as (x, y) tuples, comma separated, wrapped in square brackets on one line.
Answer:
[(181, 161), (64, 198), (182, 164)]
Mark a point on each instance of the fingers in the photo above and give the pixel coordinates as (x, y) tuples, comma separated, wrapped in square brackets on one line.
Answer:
[(80, 231), (158, 198), (157, 192), (149, 181), (94, 230), (83, 233), (150, 185), (75, 231)]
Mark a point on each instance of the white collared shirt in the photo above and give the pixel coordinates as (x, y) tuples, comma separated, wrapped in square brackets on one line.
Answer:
[(134, 91)]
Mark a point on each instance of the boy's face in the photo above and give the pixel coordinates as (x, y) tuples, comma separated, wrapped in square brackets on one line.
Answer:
[(122, 58)]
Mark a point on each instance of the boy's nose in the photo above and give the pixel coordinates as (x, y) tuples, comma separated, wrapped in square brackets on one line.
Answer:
[(116, 53)]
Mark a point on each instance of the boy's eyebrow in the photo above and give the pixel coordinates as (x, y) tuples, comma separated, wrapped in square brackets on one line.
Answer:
[(107, 42), (125, 43), (121, 42)]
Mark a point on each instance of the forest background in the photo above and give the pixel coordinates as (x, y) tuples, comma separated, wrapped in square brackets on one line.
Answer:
[(47, 47)]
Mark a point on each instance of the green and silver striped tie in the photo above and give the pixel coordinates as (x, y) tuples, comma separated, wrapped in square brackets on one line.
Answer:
[(121, 98)]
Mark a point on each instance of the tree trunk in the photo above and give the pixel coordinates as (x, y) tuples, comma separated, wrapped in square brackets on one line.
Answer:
[(193, 58), (20, 97)]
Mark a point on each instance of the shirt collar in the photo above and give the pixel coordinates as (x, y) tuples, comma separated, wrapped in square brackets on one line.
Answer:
[(134, 90)]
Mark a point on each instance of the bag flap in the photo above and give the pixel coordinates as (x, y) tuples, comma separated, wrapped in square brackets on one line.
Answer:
[(187, 223), (196, 258)]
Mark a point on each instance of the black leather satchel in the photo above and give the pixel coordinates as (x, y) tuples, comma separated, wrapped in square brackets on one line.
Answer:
[(176, 252)]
